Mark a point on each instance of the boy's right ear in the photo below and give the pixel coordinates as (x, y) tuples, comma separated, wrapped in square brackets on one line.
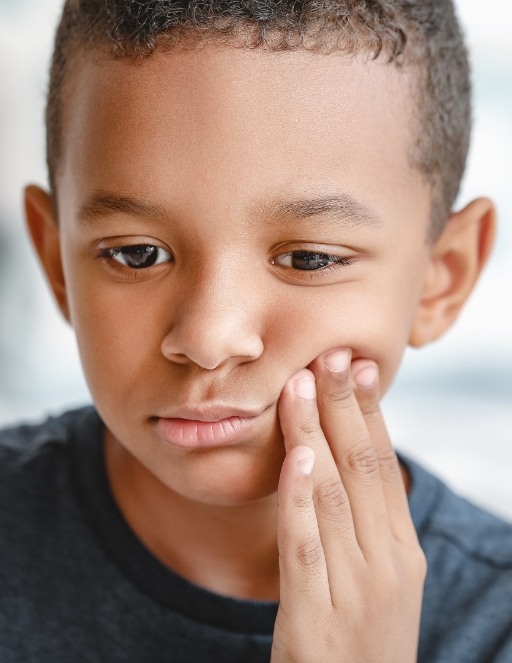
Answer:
[(44, 231)]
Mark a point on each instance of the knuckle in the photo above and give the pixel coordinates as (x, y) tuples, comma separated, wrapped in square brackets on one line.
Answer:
[(330, 496), (392, 583), (309, 427), (420, 564), (370, 407), (309, 552), (388, 462), (389, 587), (341, 396), (363, 460), (412, 562), (302, 500)]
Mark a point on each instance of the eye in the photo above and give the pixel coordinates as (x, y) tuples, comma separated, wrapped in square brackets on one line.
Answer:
[(308, 261), (139, 256)]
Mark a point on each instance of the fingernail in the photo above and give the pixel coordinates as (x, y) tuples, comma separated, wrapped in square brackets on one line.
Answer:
[(306, 463), (305, 388), (337, 361), (366, 377)]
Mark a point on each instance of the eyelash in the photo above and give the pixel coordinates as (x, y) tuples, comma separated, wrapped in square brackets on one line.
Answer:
[(336, 262), (109, 255)]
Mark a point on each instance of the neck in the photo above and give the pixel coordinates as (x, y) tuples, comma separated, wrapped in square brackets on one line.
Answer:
[(228, 550)]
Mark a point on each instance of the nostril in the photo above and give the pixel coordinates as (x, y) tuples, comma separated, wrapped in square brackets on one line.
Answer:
[(175, 357), (211, 337)]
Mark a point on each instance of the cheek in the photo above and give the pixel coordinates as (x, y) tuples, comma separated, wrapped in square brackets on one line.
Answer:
[(374, 324), (118, 339)]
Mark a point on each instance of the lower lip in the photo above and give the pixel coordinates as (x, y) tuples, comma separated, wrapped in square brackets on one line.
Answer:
[(188, 434)]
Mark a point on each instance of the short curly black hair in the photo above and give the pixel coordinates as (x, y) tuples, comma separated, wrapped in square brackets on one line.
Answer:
[(421, 33)]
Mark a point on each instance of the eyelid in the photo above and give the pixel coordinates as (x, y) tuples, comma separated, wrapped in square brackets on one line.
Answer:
[(335, 259), (311, 246), (333, 254), (129, 241)]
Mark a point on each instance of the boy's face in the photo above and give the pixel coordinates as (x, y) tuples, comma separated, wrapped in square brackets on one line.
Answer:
[(267, 169)]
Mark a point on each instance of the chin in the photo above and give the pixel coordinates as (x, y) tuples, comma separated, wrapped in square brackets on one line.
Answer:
[(228, 479)]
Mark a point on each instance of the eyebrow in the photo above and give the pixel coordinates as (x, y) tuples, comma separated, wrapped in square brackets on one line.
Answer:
[(342, 208), (102, 204)]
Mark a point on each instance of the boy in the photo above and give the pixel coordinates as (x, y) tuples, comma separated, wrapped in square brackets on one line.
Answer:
[(248, 221)]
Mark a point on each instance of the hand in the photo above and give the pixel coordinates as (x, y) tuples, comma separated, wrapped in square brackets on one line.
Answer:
[(352, 570)]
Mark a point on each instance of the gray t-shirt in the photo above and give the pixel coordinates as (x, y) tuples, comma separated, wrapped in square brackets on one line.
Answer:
[(77, 585)]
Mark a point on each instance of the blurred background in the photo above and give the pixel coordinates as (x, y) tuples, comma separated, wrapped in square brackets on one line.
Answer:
[(450, 408)]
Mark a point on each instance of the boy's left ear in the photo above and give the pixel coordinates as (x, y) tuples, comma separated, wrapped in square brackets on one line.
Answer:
[(456, 261)]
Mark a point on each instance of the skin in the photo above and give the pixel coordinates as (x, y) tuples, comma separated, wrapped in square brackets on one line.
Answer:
[(214, 137)]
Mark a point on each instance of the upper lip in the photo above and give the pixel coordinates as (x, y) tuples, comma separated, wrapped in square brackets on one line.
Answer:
[(210, 412)]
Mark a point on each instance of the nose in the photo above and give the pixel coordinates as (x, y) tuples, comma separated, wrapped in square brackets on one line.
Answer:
[(215, 320)]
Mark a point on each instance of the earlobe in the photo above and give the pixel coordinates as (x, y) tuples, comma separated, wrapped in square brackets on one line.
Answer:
[(44, 232), (456, 261)]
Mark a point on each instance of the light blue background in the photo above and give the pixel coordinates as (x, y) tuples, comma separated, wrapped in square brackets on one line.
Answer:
[(451, 406)]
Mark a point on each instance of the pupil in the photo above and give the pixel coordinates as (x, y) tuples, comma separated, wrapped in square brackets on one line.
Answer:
[(140, 256), (306, 260)]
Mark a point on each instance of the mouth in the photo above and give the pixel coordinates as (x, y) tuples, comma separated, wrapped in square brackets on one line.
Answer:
[(208, 427)]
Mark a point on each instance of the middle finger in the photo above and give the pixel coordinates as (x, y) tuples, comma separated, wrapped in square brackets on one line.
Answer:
[(352, 448)]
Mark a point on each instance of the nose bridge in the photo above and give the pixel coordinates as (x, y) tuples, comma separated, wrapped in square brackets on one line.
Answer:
[(217, 318), (215, 296)]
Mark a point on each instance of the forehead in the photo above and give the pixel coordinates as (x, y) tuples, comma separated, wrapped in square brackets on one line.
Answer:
[(230, 126)]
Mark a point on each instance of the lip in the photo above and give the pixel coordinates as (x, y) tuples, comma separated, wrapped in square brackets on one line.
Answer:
[(195, 434), (207, 427), (211, 413)]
